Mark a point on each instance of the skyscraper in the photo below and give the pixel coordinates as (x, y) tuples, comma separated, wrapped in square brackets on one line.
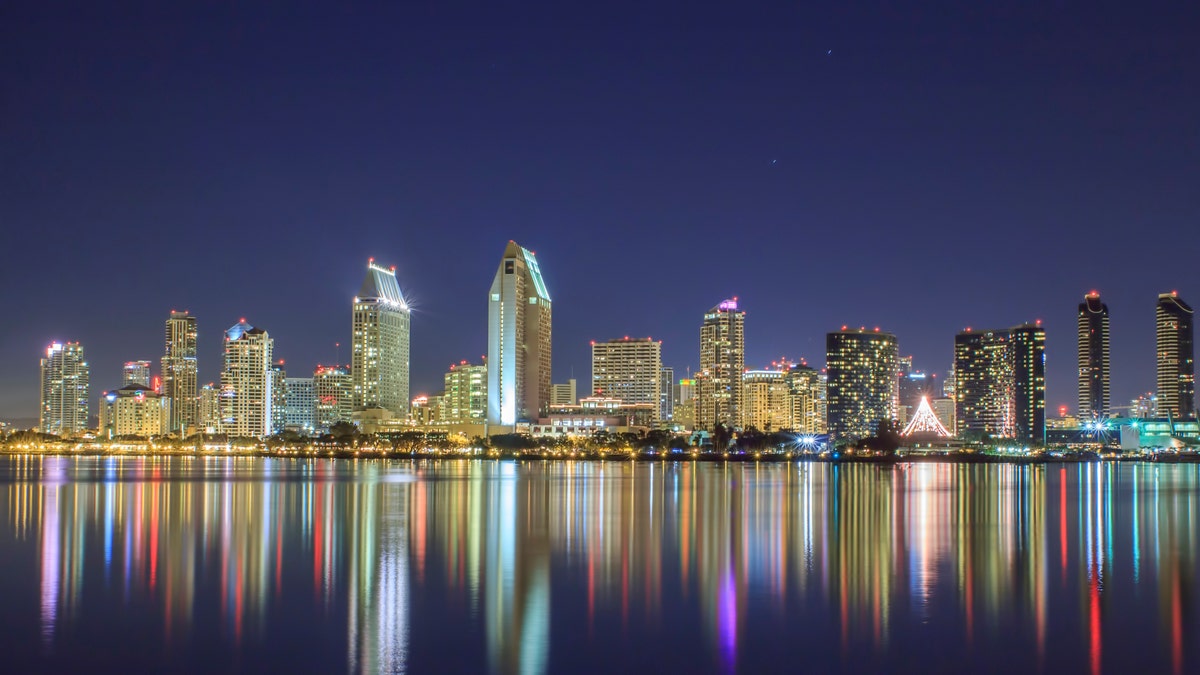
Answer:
[(380, 361), (333, 396), (628, 369), (136, 372), (766, 401), (208, 409), (1176, 356), (278, 398), (862, 387), (666, 393), (66, 379), (519, 335), (1000, 387), (246, 380), (179, 372), (1028, 343), (300, 405), (806, 389), (1093, 358), (465, 395), (722, 360)]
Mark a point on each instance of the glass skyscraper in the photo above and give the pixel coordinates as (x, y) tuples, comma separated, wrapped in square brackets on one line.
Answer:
[(519, 337), (380, 362), (862, 388), (1093, 358)]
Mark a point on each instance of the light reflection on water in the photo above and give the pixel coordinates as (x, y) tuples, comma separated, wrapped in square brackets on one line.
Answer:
[(212, 564)]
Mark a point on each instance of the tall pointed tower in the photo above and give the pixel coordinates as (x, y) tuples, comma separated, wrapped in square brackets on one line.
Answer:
[(518, 339), (380, 361)]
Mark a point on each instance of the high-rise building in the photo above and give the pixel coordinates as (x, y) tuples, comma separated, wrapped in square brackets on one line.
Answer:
[(564, 393), (66, 379), (722, 360), (134, 410), (333, 392), (687, 391), (519, 339), (380, 361), (1000, 387), (278, 398), (862, 388), (666, 393), (1093, 358), (1175, 322), (209, 409), (246, 380), (179, 374), (1028, 343), (465, 397), (766, 401), (136, 372), (299, 405), (628, 369), (806, 389)]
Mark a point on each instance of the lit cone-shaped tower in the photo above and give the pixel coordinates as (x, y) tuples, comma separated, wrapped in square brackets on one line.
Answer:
[(925, 423)]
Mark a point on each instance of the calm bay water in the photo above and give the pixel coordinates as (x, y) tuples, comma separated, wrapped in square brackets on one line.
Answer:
[(253, 565)]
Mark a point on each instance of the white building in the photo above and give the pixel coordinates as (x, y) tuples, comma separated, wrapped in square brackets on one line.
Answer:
[(333, 396), (66, 379), (246, 382), (134, 410), (628, 369), (519, 339), (299, 401), (136, 372), (179, 374), (380, 360)]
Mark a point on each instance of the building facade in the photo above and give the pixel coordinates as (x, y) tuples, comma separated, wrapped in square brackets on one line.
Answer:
[(862, 387), (278, 398), (766, 401), (246, 380), (1029, 383), (380, 343), (666, 393), (209, 409), (806, 390), (299, 405), (1175, 326), (1093, 358), (333, 392), (464, 398), (65, 391), (179, 372), (628, 369), (134, 410), (1000, 383), (519, 339), (136, 372), (722, 361), (564, 393)]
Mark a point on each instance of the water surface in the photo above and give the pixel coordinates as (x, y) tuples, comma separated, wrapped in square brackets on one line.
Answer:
[(252, 565)]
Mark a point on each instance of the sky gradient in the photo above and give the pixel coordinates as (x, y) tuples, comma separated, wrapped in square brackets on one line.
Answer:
[(917, 168)]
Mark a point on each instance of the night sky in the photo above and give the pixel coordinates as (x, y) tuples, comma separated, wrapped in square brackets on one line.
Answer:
[(921, 167)]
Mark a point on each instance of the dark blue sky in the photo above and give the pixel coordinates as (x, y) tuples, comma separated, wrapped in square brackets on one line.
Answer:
[(921, 167)]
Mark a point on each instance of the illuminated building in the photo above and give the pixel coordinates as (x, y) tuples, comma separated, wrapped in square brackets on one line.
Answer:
[(564, 393), (687, 391), (465, 394), (944, 409), (862, 389), (1028, 343), (1093, 357), (628, 369), (299, 405), (1000, 383), (766, 401), (333, 396), (380, 361), (949, 385), (722, 360), (178, 367), (65, 390), (426, 410), (915, 385), (601, 407), (209, 409), (134, 410), (1145, 405), (519, 339), (1175, 322), (806, 393), (666, 393), (278, 398), (136, 372), (246, 379)]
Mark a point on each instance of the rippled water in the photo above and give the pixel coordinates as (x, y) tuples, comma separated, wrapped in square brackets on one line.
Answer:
[(246, 565)]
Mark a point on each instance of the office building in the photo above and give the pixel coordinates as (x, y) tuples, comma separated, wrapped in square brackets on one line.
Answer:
[(1175, 323), (134, 410), (299, 405), (179, 373), (380, 343), (1000, 384), (766, 401), (628, 369), (666, 393), (722, 361), (136, 372), (862, 388), (1028, 343), (246, 379), (278, 398), (66, 379), (333, 393), (564, 393), (519, 339), (1093, 357), (464, 399), (806, 390), (209, 409)]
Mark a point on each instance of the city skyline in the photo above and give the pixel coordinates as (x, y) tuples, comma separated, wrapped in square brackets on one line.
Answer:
[(934, 160)]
